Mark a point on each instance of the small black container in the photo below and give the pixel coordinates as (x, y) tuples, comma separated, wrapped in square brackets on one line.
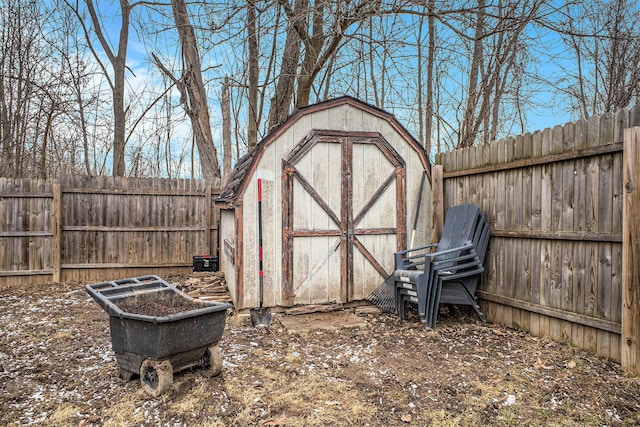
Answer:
[(205, 263)]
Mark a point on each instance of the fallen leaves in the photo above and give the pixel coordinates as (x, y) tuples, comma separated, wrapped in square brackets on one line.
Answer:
[(540, 364)]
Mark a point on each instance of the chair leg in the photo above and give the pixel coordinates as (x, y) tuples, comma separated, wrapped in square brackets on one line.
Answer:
[(433, 297), (422, 296), (401, 304), (436, 301), (476, 308), (398, 295), (403, 308), (472, 299), (422, 286)]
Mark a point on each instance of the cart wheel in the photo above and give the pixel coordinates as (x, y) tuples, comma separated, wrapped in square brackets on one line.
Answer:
[(125, 375), (156, 376), (212, 362)]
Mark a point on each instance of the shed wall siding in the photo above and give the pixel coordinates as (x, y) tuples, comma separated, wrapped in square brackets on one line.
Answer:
[(228, 240)]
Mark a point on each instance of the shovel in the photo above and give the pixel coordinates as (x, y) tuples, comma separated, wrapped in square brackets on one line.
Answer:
[(260, 317)]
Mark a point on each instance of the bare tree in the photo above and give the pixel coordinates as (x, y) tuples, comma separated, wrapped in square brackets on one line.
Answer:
[(283, 93), (431, 59), (97, 40), (468, 128), (315, 33), (117, 57), (495, 52), (31, 95), (193, 94), (227, 155), (606, 45), (455, 74), (254, 70), (76, 74)]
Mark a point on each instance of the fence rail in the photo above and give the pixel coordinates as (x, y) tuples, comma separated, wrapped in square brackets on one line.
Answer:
[(554, 201), (92, 229)]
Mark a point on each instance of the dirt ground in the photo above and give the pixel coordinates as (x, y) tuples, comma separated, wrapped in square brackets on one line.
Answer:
[(57, 368)]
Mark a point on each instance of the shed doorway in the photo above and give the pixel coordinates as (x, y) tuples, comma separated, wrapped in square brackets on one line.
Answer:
[(344, 214)]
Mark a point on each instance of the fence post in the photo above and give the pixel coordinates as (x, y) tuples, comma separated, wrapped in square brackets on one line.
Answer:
[(57, 232), (437, 194), (207, 216), (630, 342)]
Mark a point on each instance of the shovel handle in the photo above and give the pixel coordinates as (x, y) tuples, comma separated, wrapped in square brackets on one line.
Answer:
[(260, 222), (260, 259)]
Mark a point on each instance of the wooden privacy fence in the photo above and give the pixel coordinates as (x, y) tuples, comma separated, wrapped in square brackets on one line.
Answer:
[(103, 228), (564, 209)]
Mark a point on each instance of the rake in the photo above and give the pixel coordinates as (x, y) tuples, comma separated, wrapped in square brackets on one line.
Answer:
[(384, 296)]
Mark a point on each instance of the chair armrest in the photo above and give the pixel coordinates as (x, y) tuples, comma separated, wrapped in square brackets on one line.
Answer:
[(460, 270), (418, 248), (458, 262), (469, 253), (461, 274), (402, 261), (467, 245)]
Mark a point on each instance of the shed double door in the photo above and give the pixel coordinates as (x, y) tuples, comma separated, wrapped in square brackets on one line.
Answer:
[(344, 215)]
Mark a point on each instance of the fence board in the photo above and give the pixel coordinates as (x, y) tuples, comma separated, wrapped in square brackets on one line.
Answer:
[(630, 339), (579, 284)]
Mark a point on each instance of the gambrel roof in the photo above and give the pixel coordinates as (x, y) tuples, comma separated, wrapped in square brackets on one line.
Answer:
[(244, 168)]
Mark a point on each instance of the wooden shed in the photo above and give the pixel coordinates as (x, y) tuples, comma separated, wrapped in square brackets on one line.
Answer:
[(341, 183)]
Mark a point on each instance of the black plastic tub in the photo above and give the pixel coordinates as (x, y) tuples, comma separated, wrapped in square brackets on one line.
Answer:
[(157, 330), (205, 263)]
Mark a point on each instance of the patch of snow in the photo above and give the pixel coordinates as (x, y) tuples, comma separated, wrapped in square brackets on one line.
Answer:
[(511, 399)]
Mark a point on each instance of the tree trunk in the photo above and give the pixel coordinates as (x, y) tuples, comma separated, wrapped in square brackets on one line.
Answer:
[(419, 102), (373, 75), (119, 117), (252, 41), (311, 55), (226, 129), (281, 101), (467, 133), (431, 59), (83, 127), (45, 144), (193, 93), (118, 62)]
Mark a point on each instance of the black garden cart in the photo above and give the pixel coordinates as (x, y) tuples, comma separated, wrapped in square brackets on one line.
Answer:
[(157, 330)]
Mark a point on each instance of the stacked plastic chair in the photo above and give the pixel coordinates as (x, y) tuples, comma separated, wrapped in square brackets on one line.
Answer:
[(447, 272)]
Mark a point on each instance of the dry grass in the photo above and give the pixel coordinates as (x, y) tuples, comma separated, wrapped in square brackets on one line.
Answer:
[(126, 411), (296, 400), (64, 414)]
